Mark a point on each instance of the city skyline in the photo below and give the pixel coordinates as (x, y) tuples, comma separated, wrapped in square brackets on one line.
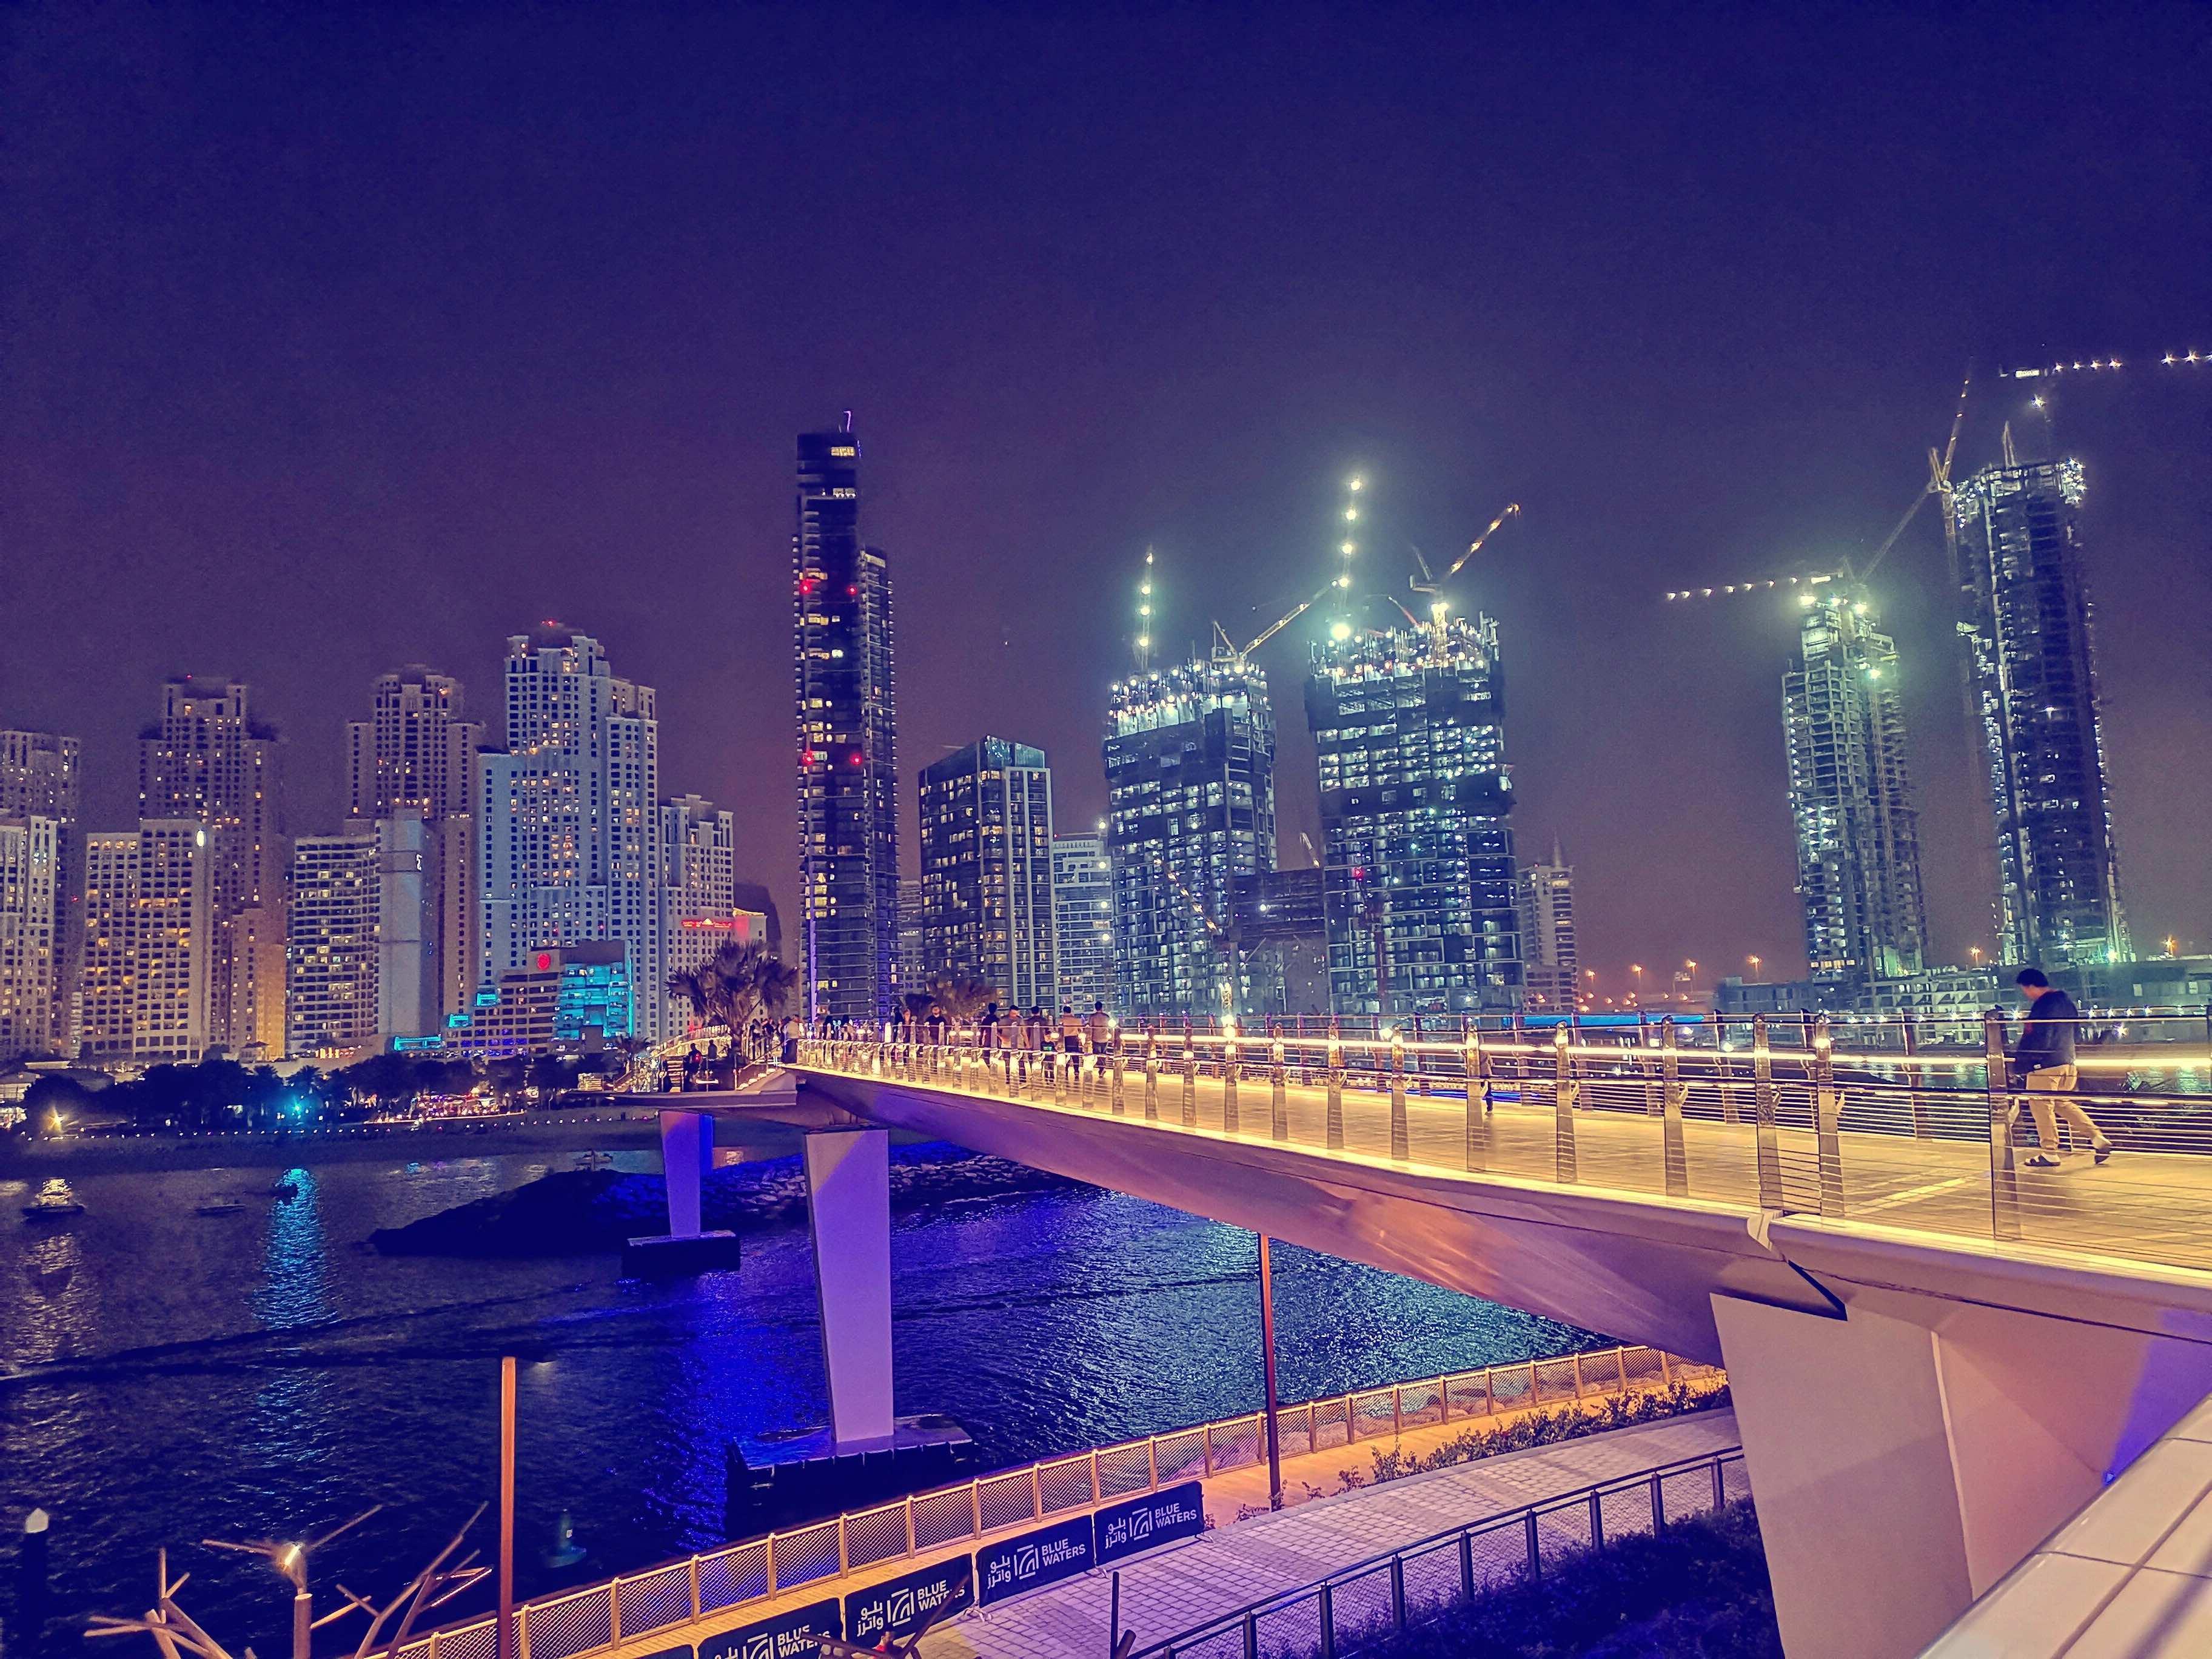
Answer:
[(1664, 418)]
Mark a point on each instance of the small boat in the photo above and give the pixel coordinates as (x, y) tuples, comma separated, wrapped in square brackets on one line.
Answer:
[(218, 1206), (283, 1190), (54, 1202), (592, 1160)]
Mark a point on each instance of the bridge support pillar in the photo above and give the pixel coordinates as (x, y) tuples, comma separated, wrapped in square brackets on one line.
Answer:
[(848, 1190), (1907, 1456), (687, 1150)]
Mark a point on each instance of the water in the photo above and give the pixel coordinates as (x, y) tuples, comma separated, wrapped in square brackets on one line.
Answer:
[(177, 1377)]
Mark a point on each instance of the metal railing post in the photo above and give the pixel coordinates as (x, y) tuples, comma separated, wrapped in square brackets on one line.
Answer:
[(1400, 1136), (1335, 1136), (1562, 1108), (1658, 1505), (1720, 1486), (1152, 1076), (1398, 1590), (1189, 1079), (1576, 1360), (614, 1595), (1908, 1038), (1597, 1521), (1769, 1144), (1120, 1094), (1465, 1565), (1828, 1108), (1477, 1152), (1228, 1113), (1327, 1620), (1251, 1634), (1535, 1555), (695, 1562), (1279, 1096), (2005, 1180), (1671, 1094)]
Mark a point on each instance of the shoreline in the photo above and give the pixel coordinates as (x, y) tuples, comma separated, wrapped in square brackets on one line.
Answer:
[(548, 1132)]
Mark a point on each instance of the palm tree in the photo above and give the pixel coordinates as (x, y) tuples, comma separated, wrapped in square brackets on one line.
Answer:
[(776, 984), (960, 997), (692, 985)]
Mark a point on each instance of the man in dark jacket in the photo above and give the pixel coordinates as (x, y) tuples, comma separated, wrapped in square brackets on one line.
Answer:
[(2043, 1063)]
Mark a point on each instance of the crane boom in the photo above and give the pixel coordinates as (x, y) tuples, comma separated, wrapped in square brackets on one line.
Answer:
[(1513, 511)]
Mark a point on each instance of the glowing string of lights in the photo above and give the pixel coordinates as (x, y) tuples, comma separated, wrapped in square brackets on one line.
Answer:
[(1348, 548), (2098, 365)]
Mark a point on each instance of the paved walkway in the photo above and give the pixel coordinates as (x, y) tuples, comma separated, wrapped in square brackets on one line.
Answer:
[(2145, 1205), (1167, 1593)]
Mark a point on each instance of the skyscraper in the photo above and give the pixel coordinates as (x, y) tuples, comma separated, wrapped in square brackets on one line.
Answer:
[(417, 754), (174, 936), (30, 932), (911, 967), (1850, 795), (2027, 623), (699, 873), (987, 870), (330, 1003), (847, 774), (210, 760), (1550, 975), (569, 849), (1083, 920), (107, 987), (1417, 856), (41, 776), (1190, 786)]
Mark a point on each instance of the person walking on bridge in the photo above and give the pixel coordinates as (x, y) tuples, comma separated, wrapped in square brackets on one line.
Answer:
[(2043, 1063)]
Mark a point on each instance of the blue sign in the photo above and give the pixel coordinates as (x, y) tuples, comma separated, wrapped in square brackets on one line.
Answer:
[(1142, 1524), (898, 1606), (1043, 1556), (789, 1636)]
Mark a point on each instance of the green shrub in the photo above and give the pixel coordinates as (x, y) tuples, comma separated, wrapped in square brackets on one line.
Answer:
[(1542, 1428), (1697, 1590)]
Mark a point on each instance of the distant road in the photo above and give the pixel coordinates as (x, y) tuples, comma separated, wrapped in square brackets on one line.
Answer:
[(529, 1132)]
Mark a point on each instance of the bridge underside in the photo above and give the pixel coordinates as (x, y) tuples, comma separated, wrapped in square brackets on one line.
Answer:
[(1918, 1409)]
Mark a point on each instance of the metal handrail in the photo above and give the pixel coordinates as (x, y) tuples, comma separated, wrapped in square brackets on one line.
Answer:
[(1812, 1128), (591, 1618), (1240, 1632)]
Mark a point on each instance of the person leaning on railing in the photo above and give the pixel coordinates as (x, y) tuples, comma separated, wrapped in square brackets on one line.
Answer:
[(2043, 1065)]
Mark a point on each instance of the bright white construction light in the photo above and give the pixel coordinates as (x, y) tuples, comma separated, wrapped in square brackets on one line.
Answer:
[(1340, 632), (1349, 549), (1438, 610), (1350, 513), (1355, 483)]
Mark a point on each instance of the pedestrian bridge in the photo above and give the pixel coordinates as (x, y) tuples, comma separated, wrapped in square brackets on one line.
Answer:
[(1938, 1353)]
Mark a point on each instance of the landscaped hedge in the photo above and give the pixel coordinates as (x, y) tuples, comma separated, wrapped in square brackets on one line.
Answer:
[(1544, 1428), (1697, 1590)]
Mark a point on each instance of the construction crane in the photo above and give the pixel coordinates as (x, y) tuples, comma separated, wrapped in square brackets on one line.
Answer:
[(1431, 586), (1938, 487)]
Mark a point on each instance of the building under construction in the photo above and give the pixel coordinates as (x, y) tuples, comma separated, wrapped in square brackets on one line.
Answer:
[(1190, 782), (2017, 542), (1417, 856), (1850, 796)]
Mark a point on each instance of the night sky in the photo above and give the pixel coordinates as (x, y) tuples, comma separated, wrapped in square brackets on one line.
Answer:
[(339, 338)]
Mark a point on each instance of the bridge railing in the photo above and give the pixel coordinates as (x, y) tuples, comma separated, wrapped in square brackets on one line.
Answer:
[(1406, 1587), (1922, 1137), (632, 1606)]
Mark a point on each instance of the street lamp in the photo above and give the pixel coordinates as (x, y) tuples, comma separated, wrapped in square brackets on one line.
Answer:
[(1754, 961), (1975, 951), (1637, 969)]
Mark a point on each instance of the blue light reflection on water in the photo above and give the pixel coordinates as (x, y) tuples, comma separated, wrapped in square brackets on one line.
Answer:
[(259, 1375)]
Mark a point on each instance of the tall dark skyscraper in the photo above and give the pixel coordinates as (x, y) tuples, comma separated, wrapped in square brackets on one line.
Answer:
[(847, 772), (2025, 618), (987, 899), (1190, 786), (1417, 857), (1851, 794)]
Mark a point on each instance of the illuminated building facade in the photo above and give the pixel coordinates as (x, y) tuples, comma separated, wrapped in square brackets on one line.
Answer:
[(173, 939), (986, 816), (42, 775), (1082, 921), (417, 754), (31, 916), (1550, 975), (330, 1003), (2027, 623), (1190, 785), (108, 984), (210, 759), (570, 847), (1850, 796), (848, 777), (1417, 856), (911, 965)]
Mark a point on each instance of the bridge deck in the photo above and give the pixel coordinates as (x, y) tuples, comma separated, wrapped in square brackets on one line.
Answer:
[(2144, 1205)]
